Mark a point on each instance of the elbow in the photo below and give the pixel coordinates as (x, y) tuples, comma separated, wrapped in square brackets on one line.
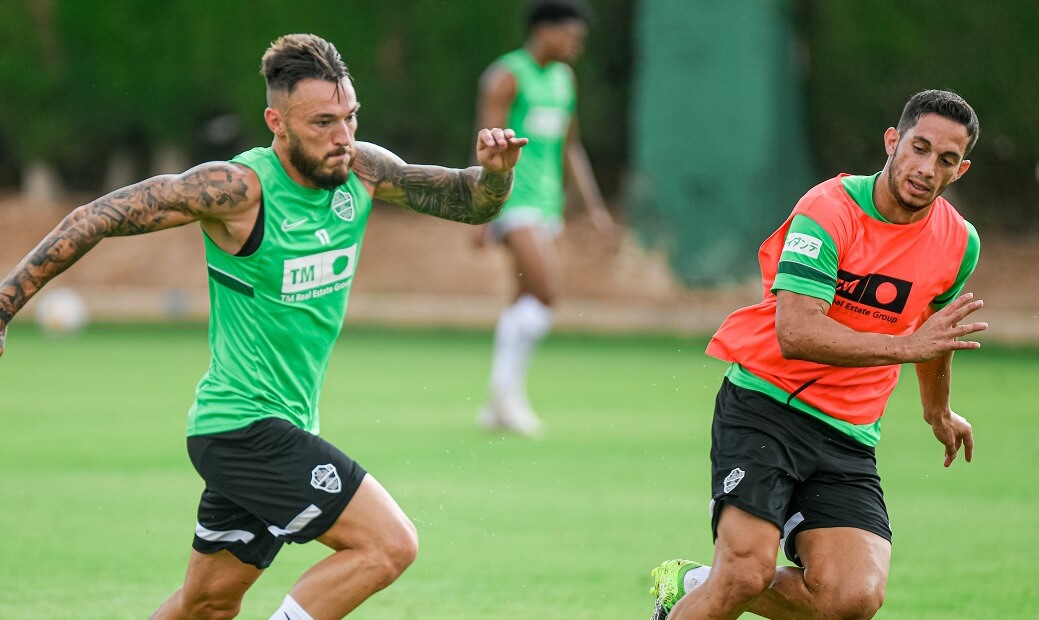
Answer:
[(792, 345)]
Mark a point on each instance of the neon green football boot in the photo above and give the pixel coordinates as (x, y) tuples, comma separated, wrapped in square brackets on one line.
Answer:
[(669, 585)]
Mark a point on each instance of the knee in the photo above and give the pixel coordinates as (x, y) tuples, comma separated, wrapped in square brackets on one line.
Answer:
[(858, 603), (395, 554), (207, 607), (741, 581), (404, 550), (549, 296)]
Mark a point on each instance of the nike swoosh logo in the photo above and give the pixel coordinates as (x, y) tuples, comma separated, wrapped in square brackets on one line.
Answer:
[(287, 225)]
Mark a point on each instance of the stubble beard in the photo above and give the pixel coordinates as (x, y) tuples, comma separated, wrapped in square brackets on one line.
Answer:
[(310, 167), (894, 178)]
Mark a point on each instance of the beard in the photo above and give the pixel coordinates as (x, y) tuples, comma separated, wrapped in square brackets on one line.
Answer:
[(310, 167), (894, 179)]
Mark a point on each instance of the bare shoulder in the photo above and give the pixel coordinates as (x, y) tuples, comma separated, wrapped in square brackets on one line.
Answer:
[(375, 165), (498, 82), (217, 188)]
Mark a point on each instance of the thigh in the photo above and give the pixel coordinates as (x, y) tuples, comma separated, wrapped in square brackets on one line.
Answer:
[(742, 537), (844, 559), (371, 519), (536, 263), (218, 576)]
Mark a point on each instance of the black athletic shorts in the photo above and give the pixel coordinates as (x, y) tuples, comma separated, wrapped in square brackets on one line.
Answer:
[(268, 484), (790, 468)]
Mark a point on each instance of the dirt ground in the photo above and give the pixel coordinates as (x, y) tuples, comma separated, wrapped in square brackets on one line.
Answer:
[(423, 271)]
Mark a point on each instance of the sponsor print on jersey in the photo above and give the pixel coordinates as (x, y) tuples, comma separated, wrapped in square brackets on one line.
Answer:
[(875, 290), (545, 122), (801, 243), (331, 269), (343, 205)]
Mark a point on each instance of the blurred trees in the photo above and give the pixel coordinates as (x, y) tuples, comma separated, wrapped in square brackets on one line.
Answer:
[(865, 59), (83, 81)]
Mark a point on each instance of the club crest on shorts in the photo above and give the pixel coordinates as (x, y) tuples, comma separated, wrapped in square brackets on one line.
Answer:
[(733, 479), (326, 478), (343, 205)]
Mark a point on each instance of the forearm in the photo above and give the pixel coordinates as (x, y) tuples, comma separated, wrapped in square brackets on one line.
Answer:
[(935, 379), (826, 341), (581, 175), (157, 203), (472, 195), (80, 231)]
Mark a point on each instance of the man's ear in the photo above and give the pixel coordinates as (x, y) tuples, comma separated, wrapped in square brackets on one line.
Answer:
[(964, 165), (890, 140), (274, 121)]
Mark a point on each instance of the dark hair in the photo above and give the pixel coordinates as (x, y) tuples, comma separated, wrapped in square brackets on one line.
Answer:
[(943, 103), (296, 57), (554, 11)]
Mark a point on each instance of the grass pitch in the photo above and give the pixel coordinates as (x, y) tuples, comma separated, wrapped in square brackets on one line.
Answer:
[(98, 495)]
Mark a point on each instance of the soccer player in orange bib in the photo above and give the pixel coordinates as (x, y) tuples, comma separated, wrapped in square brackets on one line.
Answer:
[(867, 273)]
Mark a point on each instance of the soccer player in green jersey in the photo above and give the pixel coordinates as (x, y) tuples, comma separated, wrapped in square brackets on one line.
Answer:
[(283, 228), (533, 90)]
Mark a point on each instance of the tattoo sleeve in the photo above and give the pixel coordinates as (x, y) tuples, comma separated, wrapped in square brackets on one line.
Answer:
[(158, 203), (471, 195)]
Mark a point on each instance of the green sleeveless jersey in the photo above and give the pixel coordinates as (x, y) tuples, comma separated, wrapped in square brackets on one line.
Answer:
[(275, 314), (544, 104)]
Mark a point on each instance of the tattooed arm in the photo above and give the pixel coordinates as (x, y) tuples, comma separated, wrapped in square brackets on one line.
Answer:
[(215, 193), (472, 195)]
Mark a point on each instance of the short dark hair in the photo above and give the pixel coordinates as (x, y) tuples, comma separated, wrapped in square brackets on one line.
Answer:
[(943, 103), (554, 11), (296, 57)]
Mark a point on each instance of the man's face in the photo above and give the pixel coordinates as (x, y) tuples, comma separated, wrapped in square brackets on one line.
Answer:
[(566, 39), (317, 123), (924, 160)]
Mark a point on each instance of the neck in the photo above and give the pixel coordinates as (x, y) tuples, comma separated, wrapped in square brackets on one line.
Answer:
[(282, 151), (538, 52)]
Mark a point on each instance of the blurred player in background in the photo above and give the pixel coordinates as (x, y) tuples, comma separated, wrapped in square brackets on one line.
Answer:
[(866, 274), (283, 228), (533, 90)]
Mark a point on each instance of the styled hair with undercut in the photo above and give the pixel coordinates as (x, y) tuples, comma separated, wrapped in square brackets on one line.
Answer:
[(944, 103), (296, 57), (554, 11)]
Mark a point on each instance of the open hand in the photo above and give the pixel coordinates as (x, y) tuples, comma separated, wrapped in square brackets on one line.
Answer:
[(941, 332), (498, 150)]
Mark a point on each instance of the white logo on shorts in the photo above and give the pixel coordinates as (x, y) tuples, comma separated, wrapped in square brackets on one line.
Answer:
[(326, 478), (733, 479)]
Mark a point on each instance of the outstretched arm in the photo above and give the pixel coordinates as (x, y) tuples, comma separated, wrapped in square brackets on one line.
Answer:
[(210, 191), (950, 428), (472, 195)]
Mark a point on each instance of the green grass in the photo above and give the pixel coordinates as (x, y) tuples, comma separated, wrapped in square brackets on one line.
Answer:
[(98, 496)]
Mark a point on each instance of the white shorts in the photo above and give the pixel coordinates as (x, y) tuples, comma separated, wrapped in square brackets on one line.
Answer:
[(526, 217)]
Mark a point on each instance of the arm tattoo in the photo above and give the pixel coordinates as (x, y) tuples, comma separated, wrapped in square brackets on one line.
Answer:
[(155, 204), (472, 195)]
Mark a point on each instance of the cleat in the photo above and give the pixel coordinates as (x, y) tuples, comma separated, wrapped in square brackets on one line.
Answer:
[(487, 419), (511, 413), (669, 585)]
